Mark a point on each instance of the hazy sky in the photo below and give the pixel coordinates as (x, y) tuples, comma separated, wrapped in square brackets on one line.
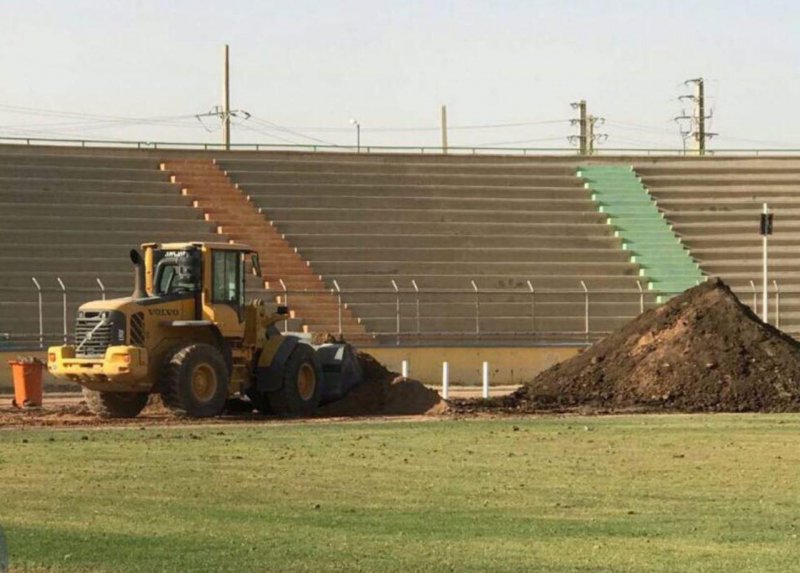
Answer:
[(142, 69)]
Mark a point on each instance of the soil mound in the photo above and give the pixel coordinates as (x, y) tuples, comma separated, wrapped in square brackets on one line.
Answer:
[(702, 351), (385, 393)]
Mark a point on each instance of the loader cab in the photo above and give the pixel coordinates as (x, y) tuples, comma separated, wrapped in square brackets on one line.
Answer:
[(213, 274)]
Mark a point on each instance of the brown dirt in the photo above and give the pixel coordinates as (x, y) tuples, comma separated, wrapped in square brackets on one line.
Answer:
[(702, 351), (385, 393)]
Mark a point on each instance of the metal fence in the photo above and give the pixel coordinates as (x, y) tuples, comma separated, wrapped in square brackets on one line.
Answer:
[(398, 314), (403, 315), (410, 149)]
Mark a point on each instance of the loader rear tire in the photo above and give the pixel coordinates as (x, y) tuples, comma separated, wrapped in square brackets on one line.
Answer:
[(115, 404), (302, 385), (195, 382)]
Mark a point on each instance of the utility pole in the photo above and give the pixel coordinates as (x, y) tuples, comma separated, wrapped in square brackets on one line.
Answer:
[(224, 112), (226, 103), (591, 135), (697, 121), (444, 129), (582, 127), (586, 137)]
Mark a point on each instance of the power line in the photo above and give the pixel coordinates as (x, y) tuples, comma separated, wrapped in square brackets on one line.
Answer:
[(272, 125), (519, 141)]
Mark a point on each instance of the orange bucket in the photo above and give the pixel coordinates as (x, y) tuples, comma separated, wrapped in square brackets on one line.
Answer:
[(27, 376)]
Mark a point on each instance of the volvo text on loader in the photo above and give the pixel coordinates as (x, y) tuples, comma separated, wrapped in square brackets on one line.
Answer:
[(187, 333)]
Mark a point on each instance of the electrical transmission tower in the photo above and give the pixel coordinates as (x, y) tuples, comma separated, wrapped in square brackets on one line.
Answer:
[(696, 123), (587, 137)]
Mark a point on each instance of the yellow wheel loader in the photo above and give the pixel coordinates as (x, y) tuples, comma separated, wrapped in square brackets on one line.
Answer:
[(187, 333)]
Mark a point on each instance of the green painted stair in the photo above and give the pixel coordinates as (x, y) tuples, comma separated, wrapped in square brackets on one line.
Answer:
[(661, 256)]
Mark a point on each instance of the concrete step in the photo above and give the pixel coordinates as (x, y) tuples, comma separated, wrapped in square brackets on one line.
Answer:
[(429, 190), (451, 255), (359, 203), (64, 249), (97, 185), (724, 240), (734, 192), (359, 240), (335, 268), (29, 158), (66, 172), (52, 222), (432, 215), (445, 228), (522, 309), (495, 324), (716, 169), (751, 217), (735, 180), (410, 166), (726, 206), (37, 197), (112, 211), (245, 177), (87, 236)]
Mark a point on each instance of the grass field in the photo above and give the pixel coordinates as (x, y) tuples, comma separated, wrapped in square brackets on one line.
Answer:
[(633, 493)]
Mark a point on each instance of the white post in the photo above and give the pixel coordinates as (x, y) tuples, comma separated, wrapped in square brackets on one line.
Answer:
[(64, 304), (765, 295), (404, 368), (445, 380), (485, 379), (41, 315)]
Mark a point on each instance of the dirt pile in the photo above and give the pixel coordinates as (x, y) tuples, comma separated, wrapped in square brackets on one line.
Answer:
[(702, 351), (385, 393)]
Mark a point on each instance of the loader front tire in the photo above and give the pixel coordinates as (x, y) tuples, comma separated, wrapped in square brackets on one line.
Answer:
[(195, 382), (115, 404), (301, 390)]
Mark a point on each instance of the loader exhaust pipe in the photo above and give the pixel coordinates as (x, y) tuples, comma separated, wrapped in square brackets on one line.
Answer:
[(138, 275)]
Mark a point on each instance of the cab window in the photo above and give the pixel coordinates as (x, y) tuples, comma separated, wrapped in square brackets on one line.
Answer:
[(227, 270), (177, 272)]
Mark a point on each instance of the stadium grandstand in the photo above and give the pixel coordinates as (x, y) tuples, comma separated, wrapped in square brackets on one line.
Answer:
[(392, 249)]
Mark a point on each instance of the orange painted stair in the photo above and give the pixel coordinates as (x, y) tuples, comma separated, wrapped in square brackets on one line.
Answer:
[(237, 218)]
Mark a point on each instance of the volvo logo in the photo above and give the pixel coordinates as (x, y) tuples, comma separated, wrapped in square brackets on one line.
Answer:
[(163, 312)]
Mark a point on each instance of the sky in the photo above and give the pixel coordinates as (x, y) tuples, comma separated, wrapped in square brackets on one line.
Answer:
[(506, 70)]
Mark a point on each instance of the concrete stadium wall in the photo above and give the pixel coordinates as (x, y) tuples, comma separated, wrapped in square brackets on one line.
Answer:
[(507, 364)]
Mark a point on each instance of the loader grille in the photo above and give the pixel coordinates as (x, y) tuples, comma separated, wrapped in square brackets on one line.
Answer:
[(95, 331)]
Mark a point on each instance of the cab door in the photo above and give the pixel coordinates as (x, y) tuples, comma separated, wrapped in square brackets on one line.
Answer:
[(227, 291)]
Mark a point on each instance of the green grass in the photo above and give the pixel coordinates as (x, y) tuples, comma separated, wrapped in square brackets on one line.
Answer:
[(580, 494)]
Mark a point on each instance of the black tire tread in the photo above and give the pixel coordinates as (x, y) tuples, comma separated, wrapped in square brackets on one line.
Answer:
[(112, 404), (285, 402), (170, 378)]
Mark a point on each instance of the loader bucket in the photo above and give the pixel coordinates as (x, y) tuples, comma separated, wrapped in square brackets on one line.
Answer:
[(340, 368)]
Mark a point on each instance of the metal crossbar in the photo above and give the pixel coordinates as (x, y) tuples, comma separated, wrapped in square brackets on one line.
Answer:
[(415, 149), (414, 305)]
